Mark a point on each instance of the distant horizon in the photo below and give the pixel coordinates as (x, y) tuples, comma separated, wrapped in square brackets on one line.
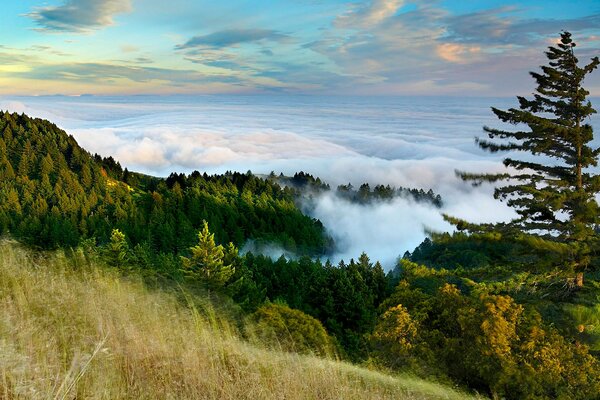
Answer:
[(591, 97)]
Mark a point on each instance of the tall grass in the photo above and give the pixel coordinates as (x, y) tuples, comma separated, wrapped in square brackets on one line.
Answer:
[(72, 330)]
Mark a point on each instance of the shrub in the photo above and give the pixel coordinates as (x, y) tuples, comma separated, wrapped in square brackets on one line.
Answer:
[(280, 326)]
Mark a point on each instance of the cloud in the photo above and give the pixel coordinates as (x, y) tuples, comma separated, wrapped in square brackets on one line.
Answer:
[(246, 57), (79, 15), (457, 53), (222, 72), (503, 26), (398, 48), (143, 60), (385, 230), (232, 37), (360, 47), (423, 48), (104, 72), (167, 148), (13, 58), (369, 14), (129, 48)]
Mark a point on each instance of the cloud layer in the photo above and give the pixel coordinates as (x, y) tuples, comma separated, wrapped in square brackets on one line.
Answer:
[(409, 142)]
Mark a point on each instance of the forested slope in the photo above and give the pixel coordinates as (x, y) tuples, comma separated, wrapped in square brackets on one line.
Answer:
[(54, 193)]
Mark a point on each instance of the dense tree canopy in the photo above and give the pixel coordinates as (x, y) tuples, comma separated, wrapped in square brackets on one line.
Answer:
[(54, 193)]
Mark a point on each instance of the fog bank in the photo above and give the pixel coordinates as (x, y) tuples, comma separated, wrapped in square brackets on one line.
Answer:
[(415, 142)]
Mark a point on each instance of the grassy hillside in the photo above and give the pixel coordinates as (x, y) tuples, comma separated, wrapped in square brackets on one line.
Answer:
[(70, 329)]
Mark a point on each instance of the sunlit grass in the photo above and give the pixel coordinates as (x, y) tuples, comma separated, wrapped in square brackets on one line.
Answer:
[(69, 329)]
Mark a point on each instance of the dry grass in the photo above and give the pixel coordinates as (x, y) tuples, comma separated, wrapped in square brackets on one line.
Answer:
[(70, 330)]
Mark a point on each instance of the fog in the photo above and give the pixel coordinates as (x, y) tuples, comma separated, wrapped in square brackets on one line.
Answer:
[(412, 142)]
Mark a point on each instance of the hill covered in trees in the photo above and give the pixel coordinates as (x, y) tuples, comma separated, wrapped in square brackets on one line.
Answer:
[(54, 193), (306, 185), (535, 338)]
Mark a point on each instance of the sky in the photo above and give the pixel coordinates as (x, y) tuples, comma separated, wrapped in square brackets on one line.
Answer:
[(362, 47)]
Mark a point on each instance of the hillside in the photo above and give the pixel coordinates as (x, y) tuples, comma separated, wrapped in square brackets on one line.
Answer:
[(54, 193), (71, 329), (125, 315)]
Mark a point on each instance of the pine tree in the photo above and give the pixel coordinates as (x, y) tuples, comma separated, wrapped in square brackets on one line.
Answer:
[(26, 159), (551, 189), (206, 263), (117, 251)]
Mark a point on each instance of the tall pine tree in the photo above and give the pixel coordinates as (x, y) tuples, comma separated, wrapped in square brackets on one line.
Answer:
[(552, 189)]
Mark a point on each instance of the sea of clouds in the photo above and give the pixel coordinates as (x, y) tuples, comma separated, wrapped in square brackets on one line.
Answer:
[(403, 141)]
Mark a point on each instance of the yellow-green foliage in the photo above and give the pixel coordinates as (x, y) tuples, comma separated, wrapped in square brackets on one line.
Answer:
[(485, 341), (69, 329), (395, 334), (206, 263), (290, 330), (117, 251)]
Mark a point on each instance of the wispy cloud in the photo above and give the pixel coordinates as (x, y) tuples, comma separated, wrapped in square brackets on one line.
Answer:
[(505, 26), (396, 47), (232, 37), (102, 72), (457, 53), (79, 15), (369, 14)]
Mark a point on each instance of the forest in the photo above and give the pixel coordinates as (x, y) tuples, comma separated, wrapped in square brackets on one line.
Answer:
[(508, 310)]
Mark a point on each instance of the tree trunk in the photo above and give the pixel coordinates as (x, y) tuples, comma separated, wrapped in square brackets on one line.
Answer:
[(579, 280)]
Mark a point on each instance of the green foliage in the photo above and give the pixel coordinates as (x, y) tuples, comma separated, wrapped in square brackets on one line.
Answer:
[(584, 324), (206, 262), (343, 297), (291, 330)]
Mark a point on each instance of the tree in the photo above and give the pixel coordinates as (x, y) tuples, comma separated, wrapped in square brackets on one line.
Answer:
[(117, 251), (206, 263), (551, 189), (393, 336)]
